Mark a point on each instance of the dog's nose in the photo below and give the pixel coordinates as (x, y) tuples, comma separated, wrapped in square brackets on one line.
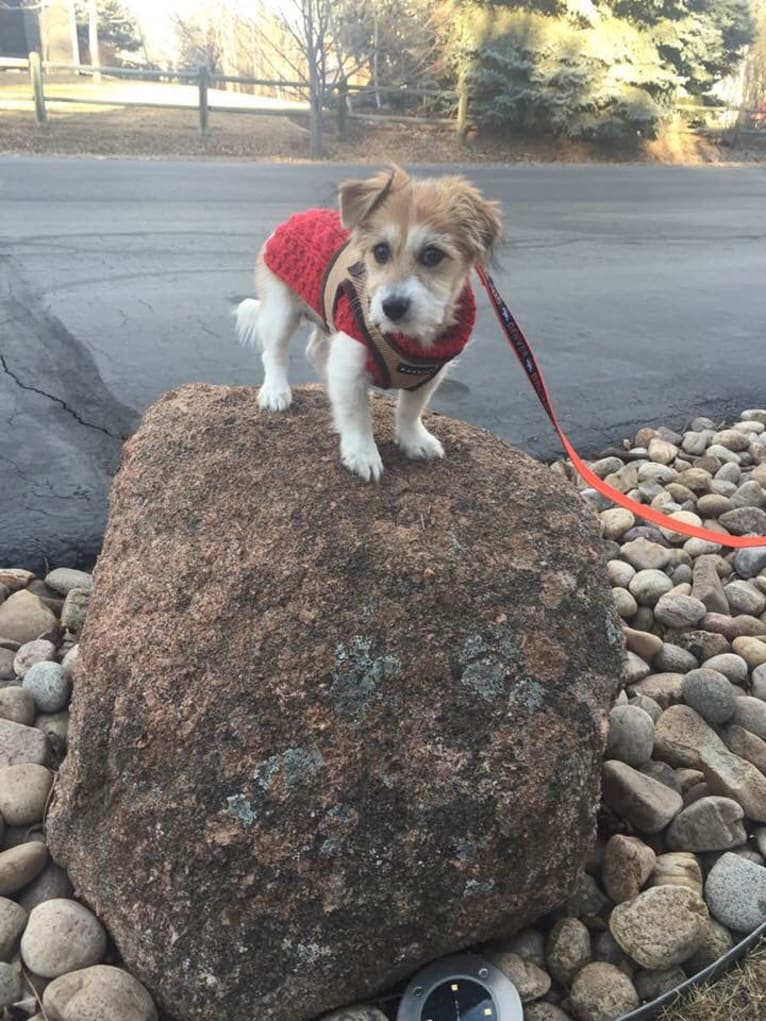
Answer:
[(396, 308)]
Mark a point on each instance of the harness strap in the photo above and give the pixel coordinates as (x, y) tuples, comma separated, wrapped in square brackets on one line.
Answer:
[(523, 352), (396, 369)]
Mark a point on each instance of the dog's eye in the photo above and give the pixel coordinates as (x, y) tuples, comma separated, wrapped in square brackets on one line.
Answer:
[(381, 252), (431, 256)]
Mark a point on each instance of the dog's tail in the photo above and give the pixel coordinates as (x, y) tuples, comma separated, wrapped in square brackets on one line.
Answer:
[(247, 322)]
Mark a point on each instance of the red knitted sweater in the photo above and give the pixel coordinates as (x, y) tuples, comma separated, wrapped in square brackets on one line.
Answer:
[(299, 251)]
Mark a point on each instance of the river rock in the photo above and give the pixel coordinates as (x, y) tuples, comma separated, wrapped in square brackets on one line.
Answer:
[(531, 982), (628, 864), (648, 586), (734, 627), (601, 992), (615, 522), (745, 598), (730, 665), (665, 689), (49, 686), (679, 610), (746, 745), (24, 792), (643, 555), (62, 936), (678, 868), (624, 602), (757, 681), (710, 824), (643, 643), (745, 521), (33, 652), (13, 918), (643, 802), (675, 660), (23, 618), (111, 994), (363, 757), (702, 644), (567, 949), (735, 891), (6, 664), (732, 439), (654, 709), (651, 984), (681, 734), (15, 578), (750, 561), (752, 650), (11, 984), (17, 705), (732, 777), (685, 517), (529, 945), (710, 694), (661, 927), (750, 713), (19, 743), (75, 610), (545, 1012), (619, 573), (19, 865), (51, 884), (64, 579), (707, 586), (631, 735)]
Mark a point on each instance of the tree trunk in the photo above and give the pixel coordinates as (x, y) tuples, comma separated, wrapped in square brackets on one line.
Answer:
[(95, 60), (316, 87), (315, 144), (375, 68)]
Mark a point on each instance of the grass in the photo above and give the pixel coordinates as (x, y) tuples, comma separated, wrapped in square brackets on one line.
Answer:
[(115, 130), (740, 995)]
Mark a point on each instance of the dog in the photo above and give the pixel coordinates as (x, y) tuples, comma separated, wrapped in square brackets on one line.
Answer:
[(384, 281)]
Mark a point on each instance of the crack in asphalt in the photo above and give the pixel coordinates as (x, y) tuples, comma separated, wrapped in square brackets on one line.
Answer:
[(56, 400)]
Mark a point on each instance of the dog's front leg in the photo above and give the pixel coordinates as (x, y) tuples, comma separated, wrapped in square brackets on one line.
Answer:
[(411, 435), (348, 387)]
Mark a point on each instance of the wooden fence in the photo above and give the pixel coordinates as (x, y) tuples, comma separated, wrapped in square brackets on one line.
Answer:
[(344, 96)]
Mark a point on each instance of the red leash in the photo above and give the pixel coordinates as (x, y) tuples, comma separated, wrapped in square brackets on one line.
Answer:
[(523, 351)]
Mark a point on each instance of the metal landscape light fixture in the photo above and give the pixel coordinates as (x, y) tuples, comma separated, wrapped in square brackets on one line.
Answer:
[(464, 987)]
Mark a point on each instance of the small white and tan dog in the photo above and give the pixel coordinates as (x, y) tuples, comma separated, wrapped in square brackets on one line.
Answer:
[(385, 282)]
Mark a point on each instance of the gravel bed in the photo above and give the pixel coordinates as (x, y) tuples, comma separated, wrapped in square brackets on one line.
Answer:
[(678, 874)]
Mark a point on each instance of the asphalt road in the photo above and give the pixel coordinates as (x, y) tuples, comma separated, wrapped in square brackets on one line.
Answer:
[(643, 291)]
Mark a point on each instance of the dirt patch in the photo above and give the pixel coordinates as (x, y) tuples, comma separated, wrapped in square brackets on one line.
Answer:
[(158, 133)]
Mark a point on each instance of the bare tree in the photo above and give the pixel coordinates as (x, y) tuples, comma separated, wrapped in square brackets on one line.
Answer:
[(310, 43)]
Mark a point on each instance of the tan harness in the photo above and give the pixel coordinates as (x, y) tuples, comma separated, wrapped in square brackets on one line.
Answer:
[(398, 370)]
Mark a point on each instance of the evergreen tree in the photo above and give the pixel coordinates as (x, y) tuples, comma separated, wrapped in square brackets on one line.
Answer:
[(590, 68), (116, 25)]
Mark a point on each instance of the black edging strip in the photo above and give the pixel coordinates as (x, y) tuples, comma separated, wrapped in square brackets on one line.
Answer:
[(713, 971)]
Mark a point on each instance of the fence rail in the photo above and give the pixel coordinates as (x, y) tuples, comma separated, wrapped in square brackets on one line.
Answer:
[(204, 80), (345, 95)]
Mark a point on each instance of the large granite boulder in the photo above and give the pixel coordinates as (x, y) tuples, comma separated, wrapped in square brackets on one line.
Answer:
[(325, 731)]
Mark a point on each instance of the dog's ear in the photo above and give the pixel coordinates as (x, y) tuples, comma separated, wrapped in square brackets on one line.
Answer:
[(479, 219), (360, 199)]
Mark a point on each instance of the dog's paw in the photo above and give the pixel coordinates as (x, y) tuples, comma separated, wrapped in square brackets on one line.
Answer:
[(420, 445), (275, 398), (361, 456)]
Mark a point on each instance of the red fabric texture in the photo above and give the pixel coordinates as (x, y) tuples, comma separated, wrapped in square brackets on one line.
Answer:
[(299, 251)]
